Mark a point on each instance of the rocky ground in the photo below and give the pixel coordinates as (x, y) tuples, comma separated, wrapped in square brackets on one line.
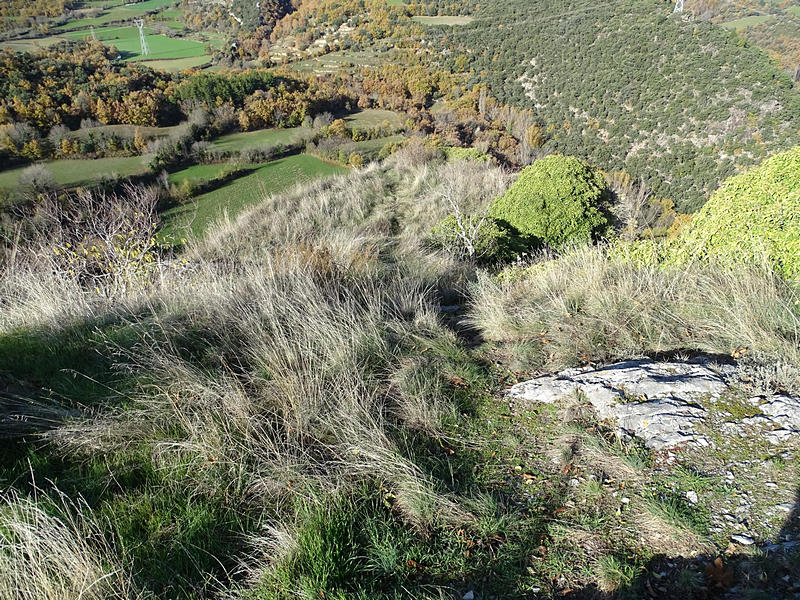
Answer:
[(680, 459)]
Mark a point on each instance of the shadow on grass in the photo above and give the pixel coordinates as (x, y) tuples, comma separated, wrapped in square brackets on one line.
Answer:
[(179, 545)]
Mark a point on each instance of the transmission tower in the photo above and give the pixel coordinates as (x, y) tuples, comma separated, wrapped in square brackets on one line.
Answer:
[(142, 40), (678, 6), (94, 36)]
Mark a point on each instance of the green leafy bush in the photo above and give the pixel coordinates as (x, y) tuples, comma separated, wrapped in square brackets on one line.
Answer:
[(752, 217), (557, 200)]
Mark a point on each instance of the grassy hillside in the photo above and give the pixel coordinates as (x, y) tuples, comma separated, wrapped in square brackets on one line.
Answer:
[(290, 408), (681, 103)]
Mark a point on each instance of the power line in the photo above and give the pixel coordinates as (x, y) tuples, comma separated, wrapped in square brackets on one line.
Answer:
[(142, 40)]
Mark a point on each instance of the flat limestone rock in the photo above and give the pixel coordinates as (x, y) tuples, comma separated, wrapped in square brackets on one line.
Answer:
[(659, 402)]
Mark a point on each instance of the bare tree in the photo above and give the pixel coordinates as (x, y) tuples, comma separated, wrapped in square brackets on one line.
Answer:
[(635, 208), (467, 192)]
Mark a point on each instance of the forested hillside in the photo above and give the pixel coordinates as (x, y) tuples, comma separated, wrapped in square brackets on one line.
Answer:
[(675, 100)]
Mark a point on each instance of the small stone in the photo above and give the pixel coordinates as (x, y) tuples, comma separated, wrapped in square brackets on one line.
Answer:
[(625, 500), (744, 540), (470, 595), (771, 485), (786, 507), (692, 497)]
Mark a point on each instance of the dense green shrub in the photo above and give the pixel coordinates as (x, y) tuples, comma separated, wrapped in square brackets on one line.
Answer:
[(753, 216), (557, 200)]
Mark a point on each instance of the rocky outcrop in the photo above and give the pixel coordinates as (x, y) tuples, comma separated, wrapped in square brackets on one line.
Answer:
[(666, 404)]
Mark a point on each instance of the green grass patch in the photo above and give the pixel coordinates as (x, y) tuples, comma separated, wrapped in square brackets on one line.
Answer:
[(114, 15), (245, 191), (261, 139), (199, 173), (443, 20), (742, 24), (75, 172), (373, 117)]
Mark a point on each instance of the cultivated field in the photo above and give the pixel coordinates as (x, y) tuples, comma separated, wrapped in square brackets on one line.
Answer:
[(262, 139), (443, 20), (244, 191), (74, 172)]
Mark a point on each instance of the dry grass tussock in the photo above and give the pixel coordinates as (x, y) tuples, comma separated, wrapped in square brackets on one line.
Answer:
[(56, 555), (294, 388), (593, 305)]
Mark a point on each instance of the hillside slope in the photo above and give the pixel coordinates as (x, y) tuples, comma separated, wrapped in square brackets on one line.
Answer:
[(679, 102)]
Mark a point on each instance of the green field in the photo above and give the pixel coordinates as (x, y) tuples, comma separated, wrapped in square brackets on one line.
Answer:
[(198, 173), (75, 172), (118, 13), (373, 117), (741, 24), (369, 149), (124, 130), (126, 40), (443, 20), (245, 191), (115, 12), (263, 138)]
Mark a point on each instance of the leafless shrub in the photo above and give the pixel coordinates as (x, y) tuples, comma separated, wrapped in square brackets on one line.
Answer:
[(36, 179)]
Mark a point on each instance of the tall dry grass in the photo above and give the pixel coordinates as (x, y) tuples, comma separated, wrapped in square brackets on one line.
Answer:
[(58, 554), (594, 305), (280, 361)]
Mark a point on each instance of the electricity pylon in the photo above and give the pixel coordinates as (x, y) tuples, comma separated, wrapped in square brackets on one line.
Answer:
[(142, 40), (678, 6), (94, 36)]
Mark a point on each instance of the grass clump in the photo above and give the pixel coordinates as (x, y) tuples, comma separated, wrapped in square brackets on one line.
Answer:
[(56, 554)]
